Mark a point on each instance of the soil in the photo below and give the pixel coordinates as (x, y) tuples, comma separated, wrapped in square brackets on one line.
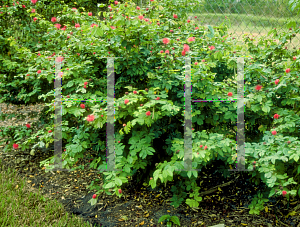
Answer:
[(140, 205)]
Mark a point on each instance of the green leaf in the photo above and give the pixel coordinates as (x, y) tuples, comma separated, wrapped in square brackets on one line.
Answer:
[(124, 43), (192, 203), (99, 31), (164, 217), (212, 32), (175, 220)]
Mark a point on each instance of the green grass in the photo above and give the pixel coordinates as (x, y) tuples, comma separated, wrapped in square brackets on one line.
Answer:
[(20, 207)]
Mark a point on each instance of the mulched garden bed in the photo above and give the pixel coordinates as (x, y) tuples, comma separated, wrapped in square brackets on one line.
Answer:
[(143, 206)]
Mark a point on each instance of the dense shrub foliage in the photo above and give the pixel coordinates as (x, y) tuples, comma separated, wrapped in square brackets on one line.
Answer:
[(149, 92)]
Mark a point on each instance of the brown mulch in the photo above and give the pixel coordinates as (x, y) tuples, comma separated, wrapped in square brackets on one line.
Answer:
[(225, 200)]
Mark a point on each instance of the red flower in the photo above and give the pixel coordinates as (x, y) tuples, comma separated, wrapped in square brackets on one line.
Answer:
[(33, 11), (58, 26), (205, 147), (126, 101), (82, 106), (77, 25), (101, 115), (24, 6), (15, 146), (201, 146), (175, 16), (50, 131), (53, 19), (191, 39), (157, 98), (141, 17), (186, 48), (138, 8), (148, 113), (33, 1), (85, 83), (283, 193), (124, 125), (116, 2), (120, 191), (274, 133), (183, 53), (276, 116), (39, 71), (287, 70), (94, 196), (134, 92), (90, 14), (28, 125), (84, 86), (276, 81), (34, 19), (230, 94), (90, 118), (167, 51), (258, 87), (166, 40), (294, 58)]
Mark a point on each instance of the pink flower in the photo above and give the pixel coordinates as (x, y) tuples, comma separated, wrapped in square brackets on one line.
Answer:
[(183, 53), (148, 113), (205, 147), (167, 51), (94, 25), (94, 53), (39, 71), (188, 21), (230, 94), (186, 48), (212, 47), (85, 83), (141, 17), (161, 51), (116, 2), (33, 1), (196, 63), (276, 116), (152, 0), (157, 98), (77, 25), (203, 60), (283, 193), (138, 8), (113, 27), (53, 19), (15, 146), (166, 40), (28, 125), (258, 87), (294, 58), (288, 70), (33, 11), (201, 146), (276, 81), (120, 191), (74, 9), (175, 16), (197, 28), (64, 28), (58, 26), (90, 118), (90, 14), (126, 101), (191, 39), (274, 133), (34, 19), (82, 106)]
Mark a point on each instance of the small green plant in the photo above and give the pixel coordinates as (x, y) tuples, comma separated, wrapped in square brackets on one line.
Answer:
[(174, 219)]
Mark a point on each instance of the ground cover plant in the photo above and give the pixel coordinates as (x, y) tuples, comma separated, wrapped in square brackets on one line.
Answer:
[(150, 95)]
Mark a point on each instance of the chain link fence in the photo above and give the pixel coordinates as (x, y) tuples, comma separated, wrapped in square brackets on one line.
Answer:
[(256, 17)]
